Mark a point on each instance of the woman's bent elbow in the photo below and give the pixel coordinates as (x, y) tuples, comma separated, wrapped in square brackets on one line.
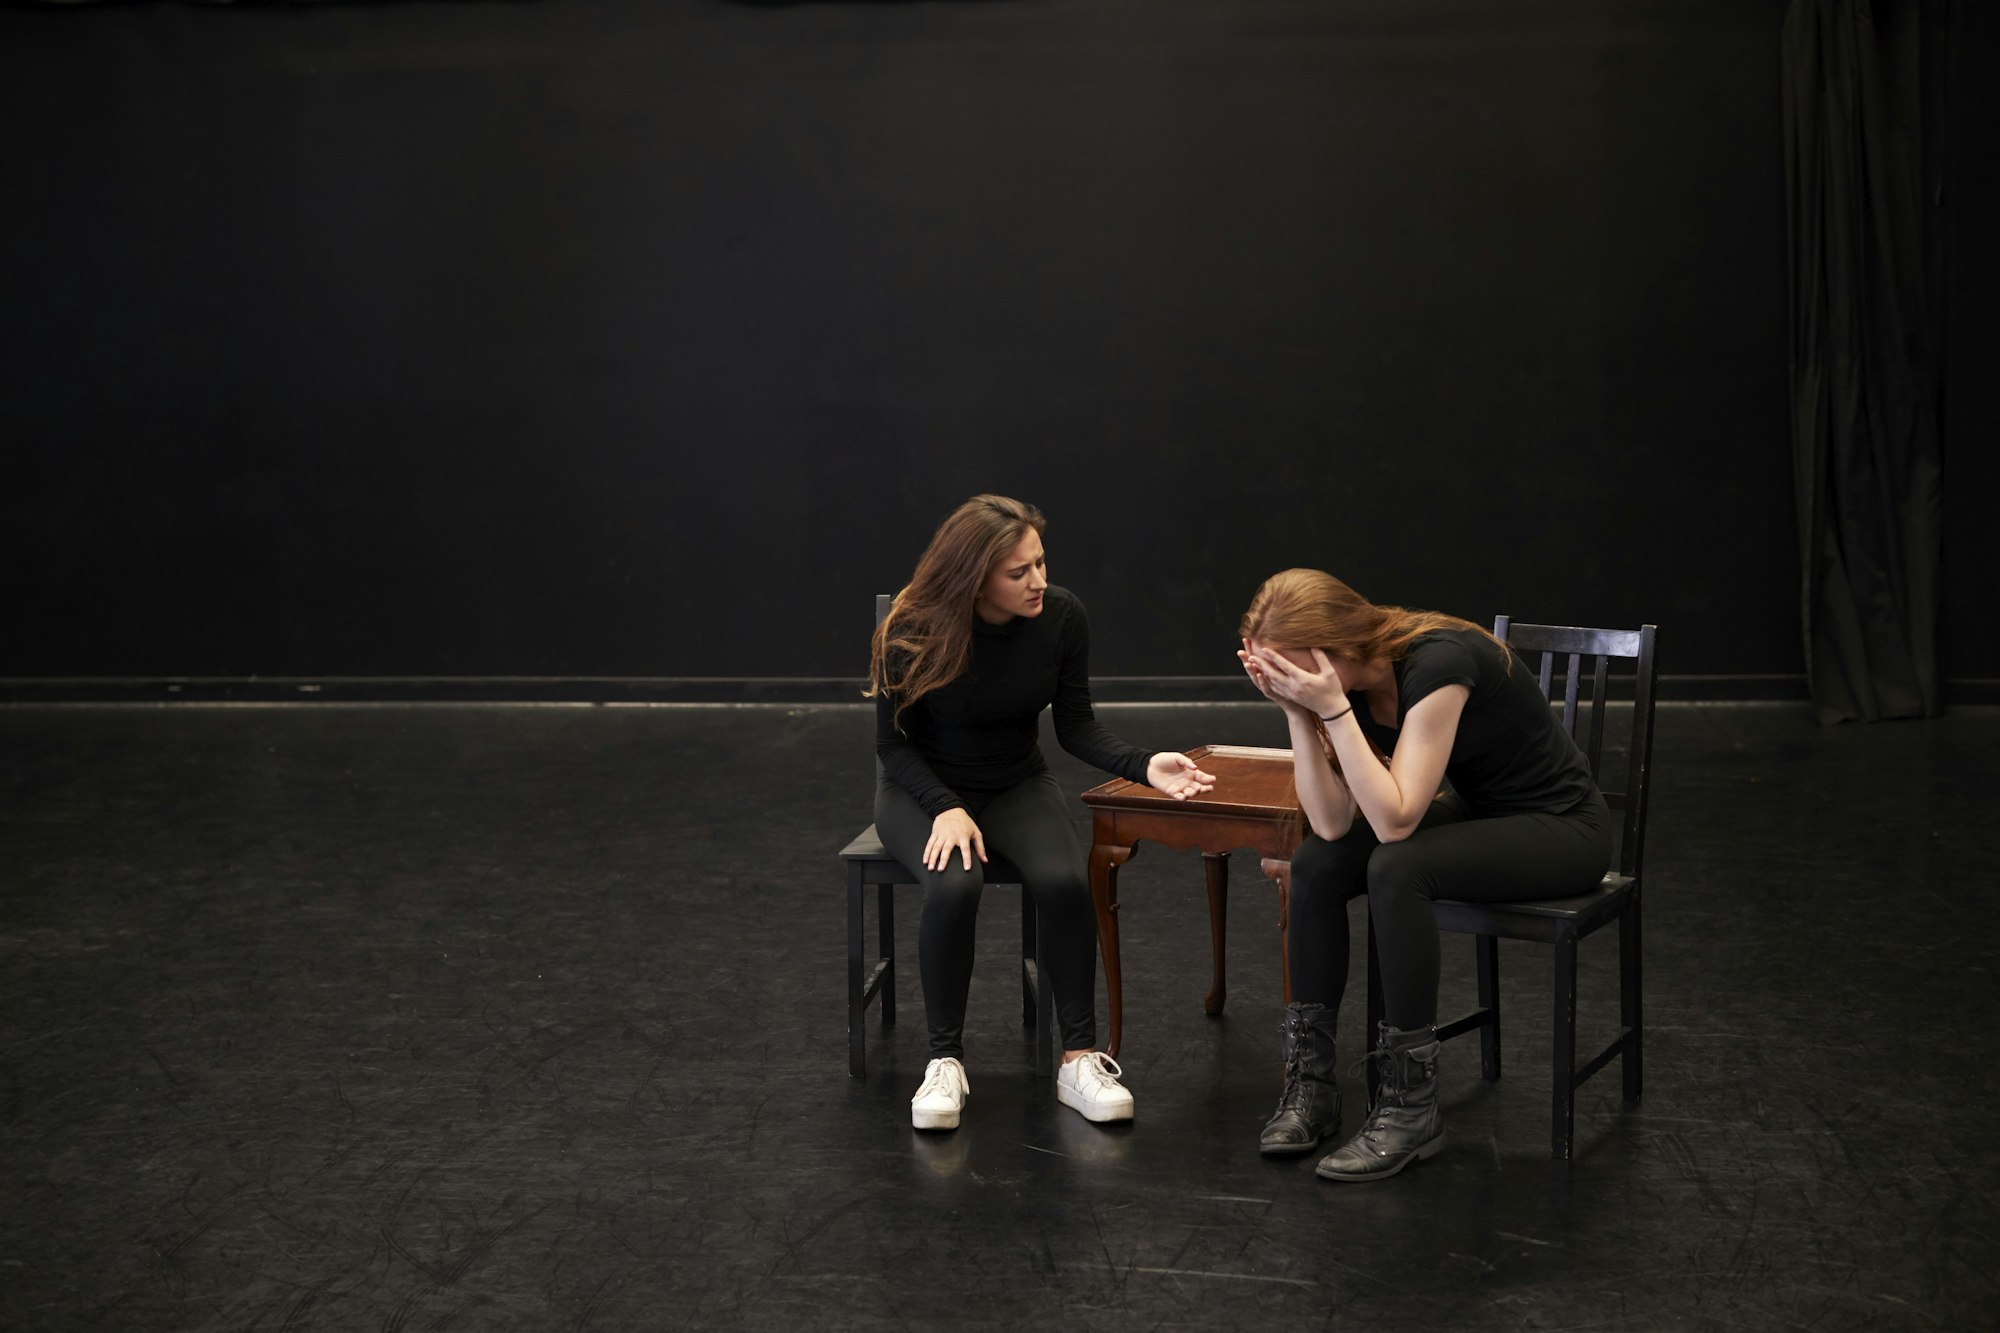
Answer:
[(1327, 830)]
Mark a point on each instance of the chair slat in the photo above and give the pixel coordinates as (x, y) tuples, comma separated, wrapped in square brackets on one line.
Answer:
[(1572, 676), (1597, 689)]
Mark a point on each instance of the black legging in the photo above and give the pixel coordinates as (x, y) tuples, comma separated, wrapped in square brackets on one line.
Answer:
[(1499, 859), (1030, 825)]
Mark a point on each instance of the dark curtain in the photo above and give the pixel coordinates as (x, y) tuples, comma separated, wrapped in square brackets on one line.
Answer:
[(1865, 446)]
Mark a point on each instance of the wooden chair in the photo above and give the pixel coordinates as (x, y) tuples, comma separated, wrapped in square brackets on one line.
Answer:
[(1562, 922), (870, 865)]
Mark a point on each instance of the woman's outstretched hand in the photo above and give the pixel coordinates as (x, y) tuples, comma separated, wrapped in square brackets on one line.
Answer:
[(1320, 691), (953, 831), (1177, 776)]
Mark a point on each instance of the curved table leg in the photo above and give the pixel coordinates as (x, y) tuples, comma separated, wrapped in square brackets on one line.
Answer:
[(1215, 868), (1280, 873), (1105, 858)]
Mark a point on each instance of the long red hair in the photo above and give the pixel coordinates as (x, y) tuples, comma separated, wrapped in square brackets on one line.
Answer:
[(926, 639), (1310, 608)]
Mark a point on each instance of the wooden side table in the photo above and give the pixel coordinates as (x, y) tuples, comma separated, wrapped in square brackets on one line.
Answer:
[(1252, 806)]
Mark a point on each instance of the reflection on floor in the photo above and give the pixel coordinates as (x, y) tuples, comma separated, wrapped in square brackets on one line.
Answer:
[(532, 1018)]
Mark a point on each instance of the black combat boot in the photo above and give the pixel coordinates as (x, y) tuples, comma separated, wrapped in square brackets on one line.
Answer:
[(1309, 1107), (1403, 1125)]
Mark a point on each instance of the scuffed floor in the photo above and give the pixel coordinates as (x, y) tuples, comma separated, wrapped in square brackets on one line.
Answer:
[(532, 1018)]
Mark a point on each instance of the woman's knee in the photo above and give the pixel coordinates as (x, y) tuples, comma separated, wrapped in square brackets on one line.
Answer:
[(953, 889), (1335, 868), (1059, 887), (1399, 870)]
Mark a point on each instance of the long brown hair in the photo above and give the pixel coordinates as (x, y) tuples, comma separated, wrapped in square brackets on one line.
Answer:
[(926, 639), (1310, 608)]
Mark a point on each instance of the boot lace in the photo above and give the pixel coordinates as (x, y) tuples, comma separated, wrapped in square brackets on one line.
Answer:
[(1389, 1088), (1295, 1078)]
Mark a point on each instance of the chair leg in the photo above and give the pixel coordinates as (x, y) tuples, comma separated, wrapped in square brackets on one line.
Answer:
[(857, 1037), (1631, 1001), (1562, 1081), (1486, 954), (1028, 955), (1375, 1009), (885, 933)]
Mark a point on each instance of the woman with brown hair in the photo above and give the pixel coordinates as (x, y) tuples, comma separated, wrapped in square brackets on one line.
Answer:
[(1386, 706), (971, 652)]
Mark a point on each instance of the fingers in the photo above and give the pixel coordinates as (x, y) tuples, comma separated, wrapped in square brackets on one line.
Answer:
[(1187, 779), (938, 851), (1270, 663), (953, 831)]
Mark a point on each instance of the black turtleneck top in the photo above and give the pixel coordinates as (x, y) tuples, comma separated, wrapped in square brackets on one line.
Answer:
[(980, 734)]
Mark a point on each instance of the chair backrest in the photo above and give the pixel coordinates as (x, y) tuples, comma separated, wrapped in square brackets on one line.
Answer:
[(1601, 647)]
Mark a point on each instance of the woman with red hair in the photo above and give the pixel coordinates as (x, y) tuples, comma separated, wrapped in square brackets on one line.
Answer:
[(1386, 707)]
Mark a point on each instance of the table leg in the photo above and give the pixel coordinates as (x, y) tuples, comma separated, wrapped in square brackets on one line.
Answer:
[(1105, 858), (1280, 873), (1215, 868)]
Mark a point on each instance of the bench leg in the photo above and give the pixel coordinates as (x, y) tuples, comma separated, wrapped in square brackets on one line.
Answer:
[(1029, 955), (857, 1038), (885, 933)]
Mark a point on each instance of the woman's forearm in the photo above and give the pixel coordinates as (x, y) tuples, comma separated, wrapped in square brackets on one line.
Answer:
[(1372, 789), (1325, 800)]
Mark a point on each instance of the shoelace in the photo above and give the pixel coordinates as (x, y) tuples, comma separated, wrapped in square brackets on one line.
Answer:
[(1100, 1068), (1295, 1079), (939, 1079)]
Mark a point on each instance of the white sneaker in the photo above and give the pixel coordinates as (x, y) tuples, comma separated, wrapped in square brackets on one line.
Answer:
[(1090, 1084), (942, 1097)]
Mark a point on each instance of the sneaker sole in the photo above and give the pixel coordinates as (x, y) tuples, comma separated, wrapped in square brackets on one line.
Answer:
[(934, 1119), (1096, 1114), (1431, 1149)]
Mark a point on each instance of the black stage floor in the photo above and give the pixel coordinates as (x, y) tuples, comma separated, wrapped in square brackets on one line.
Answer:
[(532, 1018)]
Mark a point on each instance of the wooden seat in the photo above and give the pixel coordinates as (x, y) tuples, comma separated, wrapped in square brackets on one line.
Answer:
[(1563, 922), (869, 864)]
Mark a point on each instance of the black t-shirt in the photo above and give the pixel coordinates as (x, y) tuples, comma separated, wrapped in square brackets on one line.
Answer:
[(980, 734), (1510, 755)]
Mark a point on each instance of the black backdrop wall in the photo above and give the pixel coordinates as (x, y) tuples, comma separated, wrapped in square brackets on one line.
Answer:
[(651, 338)]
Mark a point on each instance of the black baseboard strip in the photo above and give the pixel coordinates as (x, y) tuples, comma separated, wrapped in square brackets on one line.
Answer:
[(640, 690)]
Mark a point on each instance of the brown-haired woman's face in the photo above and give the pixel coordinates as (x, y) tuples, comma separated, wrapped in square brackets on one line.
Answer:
[(1016, 585)]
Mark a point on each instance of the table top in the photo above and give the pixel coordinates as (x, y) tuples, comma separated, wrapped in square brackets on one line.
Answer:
[(1249, 780)]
